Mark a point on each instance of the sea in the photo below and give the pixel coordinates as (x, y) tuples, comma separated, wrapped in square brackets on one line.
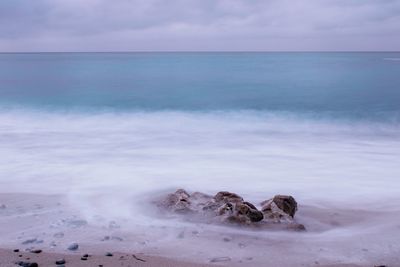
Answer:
[(310, 124)]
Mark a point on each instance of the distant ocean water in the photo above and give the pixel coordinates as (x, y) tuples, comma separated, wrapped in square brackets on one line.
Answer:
[(347, 85), (315, 125)]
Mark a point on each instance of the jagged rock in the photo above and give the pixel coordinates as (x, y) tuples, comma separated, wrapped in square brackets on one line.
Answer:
[(279, 206), (230, 208), (178, 202)]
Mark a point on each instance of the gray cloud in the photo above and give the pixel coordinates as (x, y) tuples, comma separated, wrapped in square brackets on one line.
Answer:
[(103, 25)]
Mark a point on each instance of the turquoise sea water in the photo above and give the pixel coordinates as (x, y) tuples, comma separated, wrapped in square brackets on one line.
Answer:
[(349, 85)]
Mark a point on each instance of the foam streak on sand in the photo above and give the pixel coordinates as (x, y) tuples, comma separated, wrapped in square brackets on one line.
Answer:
[(104, 167)]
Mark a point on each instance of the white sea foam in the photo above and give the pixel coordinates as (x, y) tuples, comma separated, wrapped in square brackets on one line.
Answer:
[(255, 154), (392, 58)]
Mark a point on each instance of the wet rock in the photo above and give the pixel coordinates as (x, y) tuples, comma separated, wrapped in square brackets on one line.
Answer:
[(227, 197), (16, 250), (181, 235), (109, 254), (113, 225), (230, 208), (58, 235), (32, 241), (279, 205), (76, 223), (36, 251), (220, 259), (73, 246), (60, 262), (27, 264), (178, 202), (108, 238)]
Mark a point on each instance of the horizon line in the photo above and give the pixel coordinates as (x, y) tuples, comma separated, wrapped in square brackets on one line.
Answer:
[(204, 51)]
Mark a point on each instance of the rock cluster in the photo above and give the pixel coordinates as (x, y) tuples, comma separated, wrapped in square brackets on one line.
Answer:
[(230, 208)]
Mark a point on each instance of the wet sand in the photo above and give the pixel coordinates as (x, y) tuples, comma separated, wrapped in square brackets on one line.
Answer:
[(13, 258), (50, 223)]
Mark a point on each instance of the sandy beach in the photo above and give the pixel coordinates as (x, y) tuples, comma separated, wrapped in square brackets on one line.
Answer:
[(23, 258), (51, 225)]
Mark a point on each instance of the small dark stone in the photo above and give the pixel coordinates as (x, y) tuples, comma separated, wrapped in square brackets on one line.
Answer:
[(31, 241), (60, 262), (27, 264), (220, 259), (83, 259), (37, 251), (58, 235), (73, 246), (85, 255), (109, 254), (16, 250)]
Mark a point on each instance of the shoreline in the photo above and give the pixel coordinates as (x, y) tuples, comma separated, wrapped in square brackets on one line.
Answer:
[(51, 223), (10, 257)]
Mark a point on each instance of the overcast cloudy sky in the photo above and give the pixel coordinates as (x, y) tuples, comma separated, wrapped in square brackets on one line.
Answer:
[(129, 25)]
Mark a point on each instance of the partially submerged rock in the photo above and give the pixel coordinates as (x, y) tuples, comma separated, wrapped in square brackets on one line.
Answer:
[(230, 208), (279, 207)]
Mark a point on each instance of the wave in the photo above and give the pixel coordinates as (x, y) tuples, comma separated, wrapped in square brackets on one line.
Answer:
[(392, 58), (149, 151)]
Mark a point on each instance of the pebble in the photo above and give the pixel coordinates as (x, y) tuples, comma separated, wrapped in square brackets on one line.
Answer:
[(31, 241), (220, 259), (107, 238), (181, 235), (60, 262), (27, 264), (83, 259), (37, 251), (241, 245), (73, 246), (77, 223), (109, 254), (58, 235), (113, 225), (16, 250)]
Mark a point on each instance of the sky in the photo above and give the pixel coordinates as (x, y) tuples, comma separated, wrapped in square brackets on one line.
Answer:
[(199, 25)]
